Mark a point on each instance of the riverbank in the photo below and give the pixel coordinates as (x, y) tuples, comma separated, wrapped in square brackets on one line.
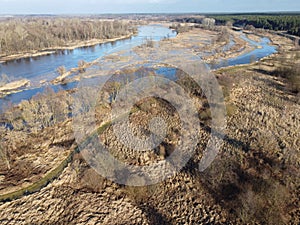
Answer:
[(13, 86), (70, 46)]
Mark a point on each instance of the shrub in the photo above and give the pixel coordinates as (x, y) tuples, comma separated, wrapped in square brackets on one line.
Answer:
[(81, 66), (292, 76), (61, 70)]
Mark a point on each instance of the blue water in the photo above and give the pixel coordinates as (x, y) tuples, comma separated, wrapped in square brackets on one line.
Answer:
[(169, 73), (43, 68), (252, 56)]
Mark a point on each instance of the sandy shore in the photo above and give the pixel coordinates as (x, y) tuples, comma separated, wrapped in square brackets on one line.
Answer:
[(14, 85)]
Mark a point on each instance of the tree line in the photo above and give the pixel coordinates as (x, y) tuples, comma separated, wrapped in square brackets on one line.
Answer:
[(26, 34), (277, 22), (280, 22)]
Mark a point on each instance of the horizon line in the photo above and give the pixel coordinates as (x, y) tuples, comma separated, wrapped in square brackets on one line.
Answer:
[(154, 13)]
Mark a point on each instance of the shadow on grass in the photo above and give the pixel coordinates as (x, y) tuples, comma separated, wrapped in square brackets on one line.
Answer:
[(154, 217)]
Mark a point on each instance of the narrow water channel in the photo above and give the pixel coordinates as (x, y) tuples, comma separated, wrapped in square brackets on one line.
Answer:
[(262, 49)]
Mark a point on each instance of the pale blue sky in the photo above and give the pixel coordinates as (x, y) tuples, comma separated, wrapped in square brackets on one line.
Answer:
[(144, 6)]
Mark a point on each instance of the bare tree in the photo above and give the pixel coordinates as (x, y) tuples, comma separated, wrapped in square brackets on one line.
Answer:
[(20, 35), (61, 70), (81, 66), (209, 22)]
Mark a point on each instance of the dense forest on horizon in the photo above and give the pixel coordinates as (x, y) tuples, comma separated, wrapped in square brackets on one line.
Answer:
[(277, 22), (274, 21)]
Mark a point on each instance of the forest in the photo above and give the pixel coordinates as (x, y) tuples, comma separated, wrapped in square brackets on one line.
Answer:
[(26, 34), (277, 22)]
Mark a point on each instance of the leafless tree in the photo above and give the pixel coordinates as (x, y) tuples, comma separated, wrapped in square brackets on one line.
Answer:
[(19, 35)]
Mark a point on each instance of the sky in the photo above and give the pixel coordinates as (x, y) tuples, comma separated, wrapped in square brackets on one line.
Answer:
[(143, 6)]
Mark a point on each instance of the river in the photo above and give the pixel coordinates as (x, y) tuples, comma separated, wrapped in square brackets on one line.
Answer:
[(262, 49), (43, 68)]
